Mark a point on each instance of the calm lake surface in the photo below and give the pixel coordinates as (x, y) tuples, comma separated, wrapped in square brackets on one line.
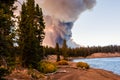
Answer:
[(110, 64)]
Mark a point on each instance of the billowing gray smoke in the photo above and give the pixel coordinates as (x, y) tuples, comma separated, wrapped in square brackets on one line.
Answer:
[(56, 31), (59, 16)]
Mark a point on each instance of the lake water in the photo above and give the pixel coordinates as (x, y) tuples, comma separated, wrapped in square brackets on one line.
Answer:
[(110, 64)]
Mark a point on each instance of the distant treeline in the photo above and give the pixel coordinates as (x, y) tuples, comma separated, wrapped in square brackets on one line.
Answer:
[(84, 51)]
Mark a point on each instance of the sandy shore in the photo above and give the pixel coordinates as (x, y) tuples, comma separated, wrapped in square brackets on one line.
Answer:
[(98, 55), (104, 55)]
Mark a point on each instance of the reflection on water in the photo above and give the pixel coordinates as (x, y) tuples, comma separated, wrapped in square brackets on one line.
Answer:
[(110, 64)]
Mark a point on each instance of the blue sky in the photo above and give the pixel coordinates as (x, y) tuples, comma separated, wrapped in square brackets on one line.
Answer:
[(99, 26)]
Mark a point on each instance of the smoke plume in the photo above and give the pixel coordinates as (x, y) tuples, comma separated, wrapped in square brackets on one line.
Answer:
[(59, 16)]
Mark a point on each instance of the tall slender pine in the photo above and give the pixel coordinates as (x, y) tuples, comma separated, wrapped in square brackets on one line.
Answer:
[(31, 34), (64, 50), (6, 25), (57, 49)]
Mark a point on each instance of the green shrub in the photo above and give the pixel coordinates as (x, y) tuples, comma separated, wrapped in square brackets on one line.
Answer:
[(3, 72), (82, 65), (46, 67), (63, 62)]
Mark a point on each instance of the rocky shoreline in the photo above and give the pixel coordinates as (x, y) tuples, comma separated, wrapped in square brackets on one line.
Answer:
[(69, 72), (72, 73)]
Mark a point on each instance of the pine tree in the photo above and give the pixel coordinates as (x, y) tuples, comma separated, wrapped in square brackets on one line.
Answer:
[(57, 51), (6, 26), (22, 32), (40, 25), (64, 50), (31, 34)]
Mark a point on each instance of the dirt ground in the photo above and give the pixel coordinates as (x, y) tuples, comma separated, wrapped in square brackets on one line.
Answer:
[(66, 73), (69, 72)]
